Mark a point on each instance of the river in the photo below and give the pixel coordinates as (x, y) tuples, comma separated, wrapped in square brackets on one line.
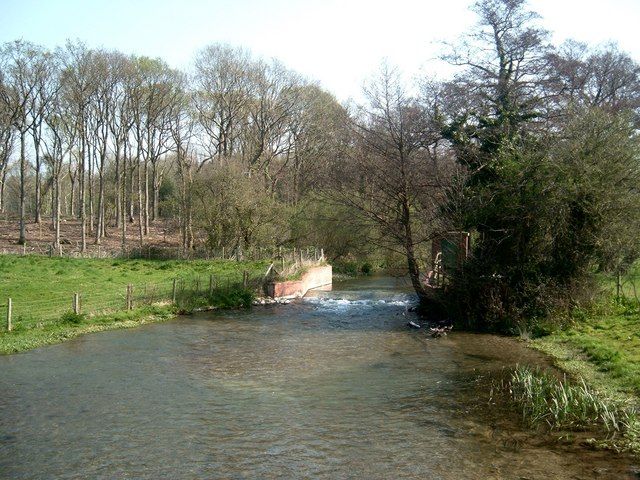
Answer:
[(333, 386)]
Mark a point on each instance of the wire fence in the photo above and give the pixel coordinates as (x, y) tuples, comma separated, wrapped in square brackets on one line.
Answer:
[(167, 252), (624, 287), (186, 293)]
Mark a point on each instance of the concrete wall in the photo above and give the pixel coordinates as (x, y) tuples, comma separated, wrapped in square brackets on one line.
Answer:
[(313, 278)]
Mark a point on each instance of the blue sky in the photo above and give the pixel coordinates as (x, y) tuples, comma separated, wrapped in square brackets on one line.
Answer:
[(338, 42)]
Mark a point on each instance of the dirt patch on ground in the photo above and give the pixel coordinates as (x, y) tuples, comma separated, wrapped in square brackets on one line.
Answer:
[(162, 234)]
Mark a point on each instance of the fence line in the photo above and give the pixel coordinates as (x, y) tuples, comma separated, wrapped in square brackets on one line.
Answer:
[(179, 290), (289, 254), (626, 287)]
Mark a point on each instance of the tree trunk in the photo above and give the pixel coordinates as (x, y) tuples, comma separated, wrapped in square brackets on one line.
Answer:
[(100, 223), (156, 191), (184, 215), (146, 197), (38, 217), (190, 236), (118, 189), (412, 263), (53, 198), (123, 209), (91, 158), (81, 193), (140, 207), (23, 174), (56, 193), (72, 197), (132, 170), (3, 179)]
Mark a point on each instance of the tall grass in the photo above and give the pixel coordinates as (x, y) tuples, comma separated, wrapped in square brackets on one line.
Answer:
[(545, 399)]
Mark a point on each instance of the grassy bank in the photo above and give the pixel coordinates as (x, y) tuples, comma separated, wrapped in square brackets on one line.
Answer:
[(49, 333), (603, 347), (42, 291), (601, 343), (599, 349)]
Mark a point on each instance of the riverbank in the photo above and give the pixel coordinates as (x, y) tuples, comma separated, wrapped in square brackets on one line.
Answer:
[(56, 332), (111, 294), (602, 348)]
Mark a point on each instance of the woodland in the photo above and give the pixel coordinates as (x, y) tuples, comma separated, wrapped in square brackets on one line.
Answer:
[(530, 147)]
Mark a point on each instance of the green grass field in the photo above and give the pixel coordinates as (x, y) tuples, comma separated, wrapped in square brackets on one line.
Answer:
[(609, 343), (42, 290), (603, 343)]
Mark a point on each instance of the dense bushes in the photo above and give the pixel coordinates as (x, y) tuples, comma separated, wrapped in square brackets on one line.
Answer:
[(547, 218)]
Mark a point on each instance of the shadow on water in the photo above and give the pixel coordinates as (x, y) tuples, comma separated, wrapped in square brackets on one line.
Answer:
[(333, 386)]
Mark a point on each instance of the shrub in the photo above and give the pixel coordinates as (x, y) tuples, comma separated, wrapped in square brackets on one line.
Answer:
[(346, 268), (187, 300), (234, 298), (72, 318), (366, 268)]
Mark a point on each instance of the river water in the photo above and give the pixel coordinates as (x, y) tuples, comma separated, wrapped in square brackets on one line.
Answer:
[(333, 386)]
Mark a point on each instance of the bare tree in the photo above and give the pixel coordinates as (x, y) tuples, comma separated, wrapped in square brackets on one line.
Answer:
[(78, 85), (392, 179), (274, 95), (315, 134), (46, 87), (6, 143), (25, 70), (580, 77), (99, 116), (162, 92), (221, 94), (61, 128), (182, 127)]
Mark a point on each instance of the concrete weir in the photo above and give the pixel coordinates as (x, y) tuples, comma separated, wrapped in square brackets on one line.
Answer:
[(314, 277)]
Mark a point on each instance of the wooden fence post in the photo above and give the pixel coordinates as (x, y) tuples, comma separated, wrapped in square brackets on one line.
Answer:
[(173, 292), (618, 286), (9, 309), (76, 303), (129, 297), (245, 279)]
